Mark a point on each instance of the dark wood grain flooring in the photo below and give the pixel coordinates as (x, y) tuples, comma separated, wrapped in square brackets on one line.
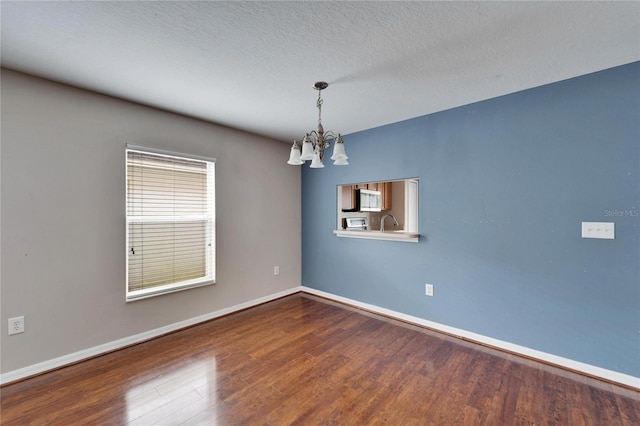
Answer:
[(306, 361)]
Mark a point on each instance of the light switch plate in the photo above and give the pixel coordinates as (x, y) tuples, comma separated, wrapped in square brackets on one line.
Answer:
[(602, 230), (428, 289)]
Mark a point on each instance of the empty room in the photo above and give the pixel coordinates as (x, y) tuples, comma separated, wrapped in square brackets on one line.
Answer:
[(302, 212)]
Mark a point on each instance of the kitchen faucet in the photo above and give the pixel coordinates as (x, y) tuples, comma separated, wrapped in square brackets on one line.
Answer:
[(395, 222)]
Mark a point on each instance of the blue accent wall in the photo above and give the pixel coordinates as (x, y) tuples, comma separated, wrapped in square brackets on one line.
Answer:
[(504, 186)]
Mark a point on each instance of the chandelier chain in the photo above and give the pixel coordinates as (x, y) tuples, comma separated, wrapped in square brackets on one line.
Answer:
[(319, 105)]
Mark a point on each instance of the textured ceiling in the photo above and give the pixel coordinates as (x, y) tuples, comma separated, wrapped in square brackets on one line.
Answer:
[(251, 65)]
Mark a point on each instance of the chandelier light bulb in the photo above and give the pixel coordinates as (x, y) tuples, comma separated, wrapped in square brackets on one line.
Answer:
[(316, 163), (338, 150), (307, 149), (294, 156)]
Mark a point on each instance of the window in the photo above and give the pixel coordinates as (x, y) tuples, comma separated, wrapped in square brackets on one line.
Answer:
[(396, 200), (170, 222)]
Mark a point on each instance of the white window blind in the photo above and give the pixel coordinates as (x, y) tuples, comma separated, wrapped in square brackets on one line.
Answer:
[(170, 223)]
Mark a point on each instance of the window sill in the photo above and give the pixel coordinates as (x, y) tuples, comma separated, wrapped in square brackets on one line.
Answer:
[(160, 290), (406, 237)]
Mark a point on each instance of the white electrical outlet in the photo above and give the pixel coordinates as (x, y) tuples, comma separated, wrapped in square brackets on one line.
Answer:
[(16, 325), (428, 289), (276, 270)]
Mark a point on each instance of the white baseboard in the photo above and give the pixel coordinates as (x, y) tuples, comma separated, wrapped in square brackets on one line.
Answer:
[(52, 364), (590, 370), (580, 367)]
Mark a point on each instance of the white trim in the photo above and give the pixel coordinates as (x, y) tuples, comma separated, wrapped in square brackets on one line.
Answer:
[(133, 296), (52, 364), (577, 366), (130, 147)]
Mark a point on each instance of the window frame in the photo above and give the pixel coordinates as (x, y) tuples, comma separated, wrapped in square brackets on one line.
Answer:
[(209, 218)]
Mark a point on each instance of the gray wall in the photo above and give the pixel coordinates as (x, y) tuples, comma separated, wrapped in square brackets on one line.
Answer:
[(504, 186), (63, 218)]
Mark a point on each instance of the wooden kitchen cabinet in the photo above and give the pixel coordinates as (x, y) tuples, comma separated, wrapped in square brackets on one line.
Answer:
[(348, 197), (372, 186), (385, 190), (349, 193)]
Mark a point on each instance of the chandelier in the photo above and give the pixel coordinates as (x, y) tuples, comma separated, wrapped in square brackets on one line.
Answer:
[(312, 146)]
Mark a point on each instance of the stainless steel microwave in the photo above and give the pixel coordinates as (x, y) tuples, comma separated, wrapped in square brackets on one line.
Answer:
[(369, 201)]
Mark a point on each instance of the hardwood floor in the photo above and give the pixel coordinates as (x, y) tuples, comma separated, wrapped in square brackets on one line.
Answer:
[(307, 361)]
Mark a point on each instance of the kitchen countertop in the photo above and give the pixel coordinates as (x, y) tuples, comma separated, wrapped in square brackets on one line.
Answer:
[(407, 237)]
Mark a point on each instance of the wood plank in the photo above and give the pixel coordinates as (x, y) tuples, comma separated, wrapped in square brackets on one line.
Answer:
[(304, 360)]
